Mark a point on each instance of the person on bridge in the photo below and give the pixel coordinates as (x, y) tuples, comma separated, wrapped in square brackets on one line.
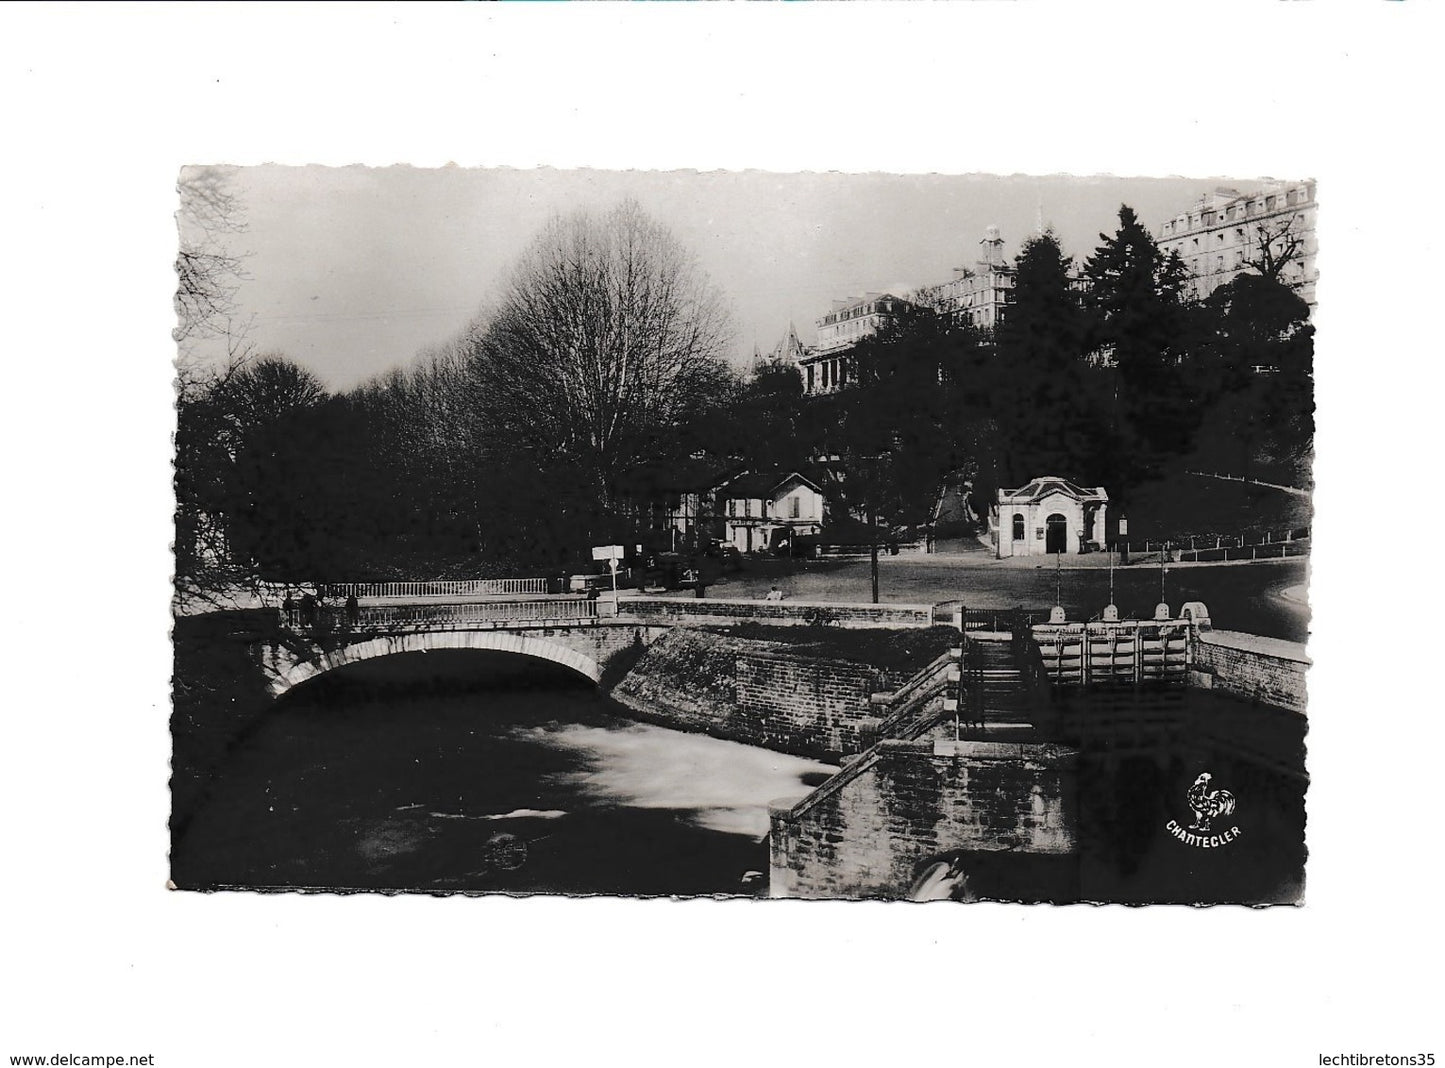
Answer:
[(308, 609), (774, 594), (288, 606), (353, 610)]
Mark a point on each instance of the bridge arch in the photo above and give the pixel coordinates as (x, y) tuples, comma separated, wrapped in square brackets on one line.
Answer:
[(284, 681)]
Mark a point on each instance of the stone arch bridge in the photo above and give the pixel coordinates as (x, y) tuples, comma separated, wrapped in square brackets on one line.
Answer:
[(579, 634)]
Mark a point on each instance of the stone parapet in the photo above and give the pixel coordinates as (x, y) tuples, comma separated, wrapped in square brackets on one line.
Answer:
[(1267, 670), (678, 611)]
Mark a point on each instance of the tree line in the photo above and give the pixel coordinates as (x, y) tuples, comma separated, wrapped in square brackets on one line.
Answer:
[(1112, 374), (599, 386)]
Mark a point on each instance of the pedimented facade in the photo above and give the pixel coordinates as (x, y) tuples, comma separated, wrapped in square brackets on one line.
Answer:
[(763, 509), (1049, 515)]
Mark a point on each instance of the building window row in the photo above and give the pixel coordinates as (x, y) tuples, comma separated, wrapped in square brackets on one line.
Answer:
[(1244, 207)]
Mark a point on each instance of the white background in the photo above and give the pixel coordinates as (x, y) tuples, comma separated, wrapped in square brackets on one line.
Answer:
[(102, 105)]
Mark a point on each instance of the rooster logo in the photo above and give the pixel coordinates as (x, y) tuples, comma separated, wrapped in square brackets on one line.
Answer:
[(1207, 805)]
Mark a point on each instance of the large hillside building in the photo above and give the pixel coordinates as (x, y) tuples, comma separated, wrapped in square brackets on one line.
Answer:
[(789, 352), (827, 367), (982, 292), (1226, 232)]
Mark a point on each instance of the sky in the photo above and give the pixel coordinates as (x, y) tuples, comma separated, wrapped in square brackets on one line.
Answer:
[(353, 271)]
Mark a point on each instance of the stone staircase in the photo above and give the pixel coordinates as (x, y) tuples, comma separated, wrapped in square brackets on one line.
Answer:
[(998, 683), (980, 689)]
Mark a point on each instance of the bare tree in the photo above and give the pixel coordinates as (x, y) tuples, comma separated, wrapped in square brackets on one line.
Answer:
[(607, 334), (206, 444), (208, 272), (219, 411), (265, 389), (1276, 246)]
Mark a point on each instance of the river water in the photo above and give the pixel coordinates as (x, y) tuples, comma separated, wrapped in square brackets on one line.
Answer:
[(461, 772), (449, 772)]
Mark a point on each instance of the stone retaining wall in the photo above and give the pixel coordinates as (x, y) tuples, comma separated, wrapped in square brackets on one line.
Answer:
[(1267, 670), (754, 691), (870, 830), (800, 703)]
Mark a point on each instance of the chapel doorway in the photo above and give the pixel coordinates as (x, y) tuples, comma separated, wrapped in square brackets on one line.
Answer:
[(1056, 534)]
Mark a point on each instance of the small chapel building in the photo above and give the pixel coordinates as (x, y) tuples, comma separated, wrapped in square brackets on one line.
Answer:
[(1049, 515)]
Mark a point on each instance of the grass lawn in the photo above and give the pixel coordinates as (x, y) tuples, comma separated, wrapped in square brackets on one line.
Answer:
[(1185, 504)]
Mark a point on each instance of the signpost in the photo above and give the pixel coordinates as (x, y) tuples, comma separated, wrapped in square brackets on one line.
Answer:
[(612, 554)]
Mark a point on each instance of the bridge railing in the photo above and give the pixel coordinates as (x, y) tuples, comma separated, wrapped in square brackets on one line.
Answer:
[(480, 615), (685, 611), (497, 587)]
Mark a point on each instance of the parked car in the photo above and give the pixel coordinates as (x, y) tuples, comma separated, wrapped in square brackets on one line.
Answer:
[(725, 553)]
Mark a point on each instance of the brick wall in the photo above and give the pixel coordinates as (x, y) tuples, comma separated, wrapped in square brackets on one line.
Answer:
[(685, 611), (800, 704), (870, 830), (1260, 669), (754, 691)]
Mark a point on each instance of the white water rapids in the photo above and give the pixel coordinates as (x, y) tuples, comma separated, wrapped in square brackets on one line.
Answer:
[(725, 785)]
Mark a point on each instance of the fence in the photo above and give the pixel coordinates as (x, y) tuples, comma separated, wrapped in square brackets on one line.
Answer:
[(1001, 620), (1296, 490), (1245, 545), (500, 587), (1266, 551), (481, 615)]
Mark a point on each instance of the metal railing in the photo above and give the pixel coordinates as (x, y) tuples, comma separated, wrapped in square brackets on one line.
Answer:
[(1263, 551), (1029, 659), (1297, 490), (477, 615), (499, 587), (1245, 545), (1000, 620)]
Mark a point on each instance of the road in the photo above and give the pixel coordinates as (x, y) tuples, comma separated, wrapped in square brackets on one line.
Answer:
[(1261, 598)]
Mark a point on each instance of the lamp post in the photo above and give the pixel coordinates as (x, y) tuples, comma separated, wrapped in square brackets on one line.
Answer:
[(1163, 559), (873, 548), (1124, 537)]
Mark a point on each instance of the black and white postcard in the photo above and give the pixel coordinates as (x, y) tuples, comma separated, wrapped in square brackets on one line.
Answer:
[(714, 534), (789, 536)]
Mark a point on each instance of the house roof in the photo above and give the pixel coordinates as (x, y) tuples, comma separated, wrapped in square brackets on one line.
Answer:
[(1044, 485), (763, 484)]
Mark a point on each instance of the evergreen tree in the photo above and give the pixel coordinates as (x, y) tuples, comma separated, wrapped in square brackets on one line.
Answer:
[(1139, 314), (1047, 412)]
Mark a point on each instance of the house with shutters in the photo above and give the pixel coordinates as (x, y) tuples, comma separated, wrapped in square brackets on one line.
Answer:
[(766, 509)]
